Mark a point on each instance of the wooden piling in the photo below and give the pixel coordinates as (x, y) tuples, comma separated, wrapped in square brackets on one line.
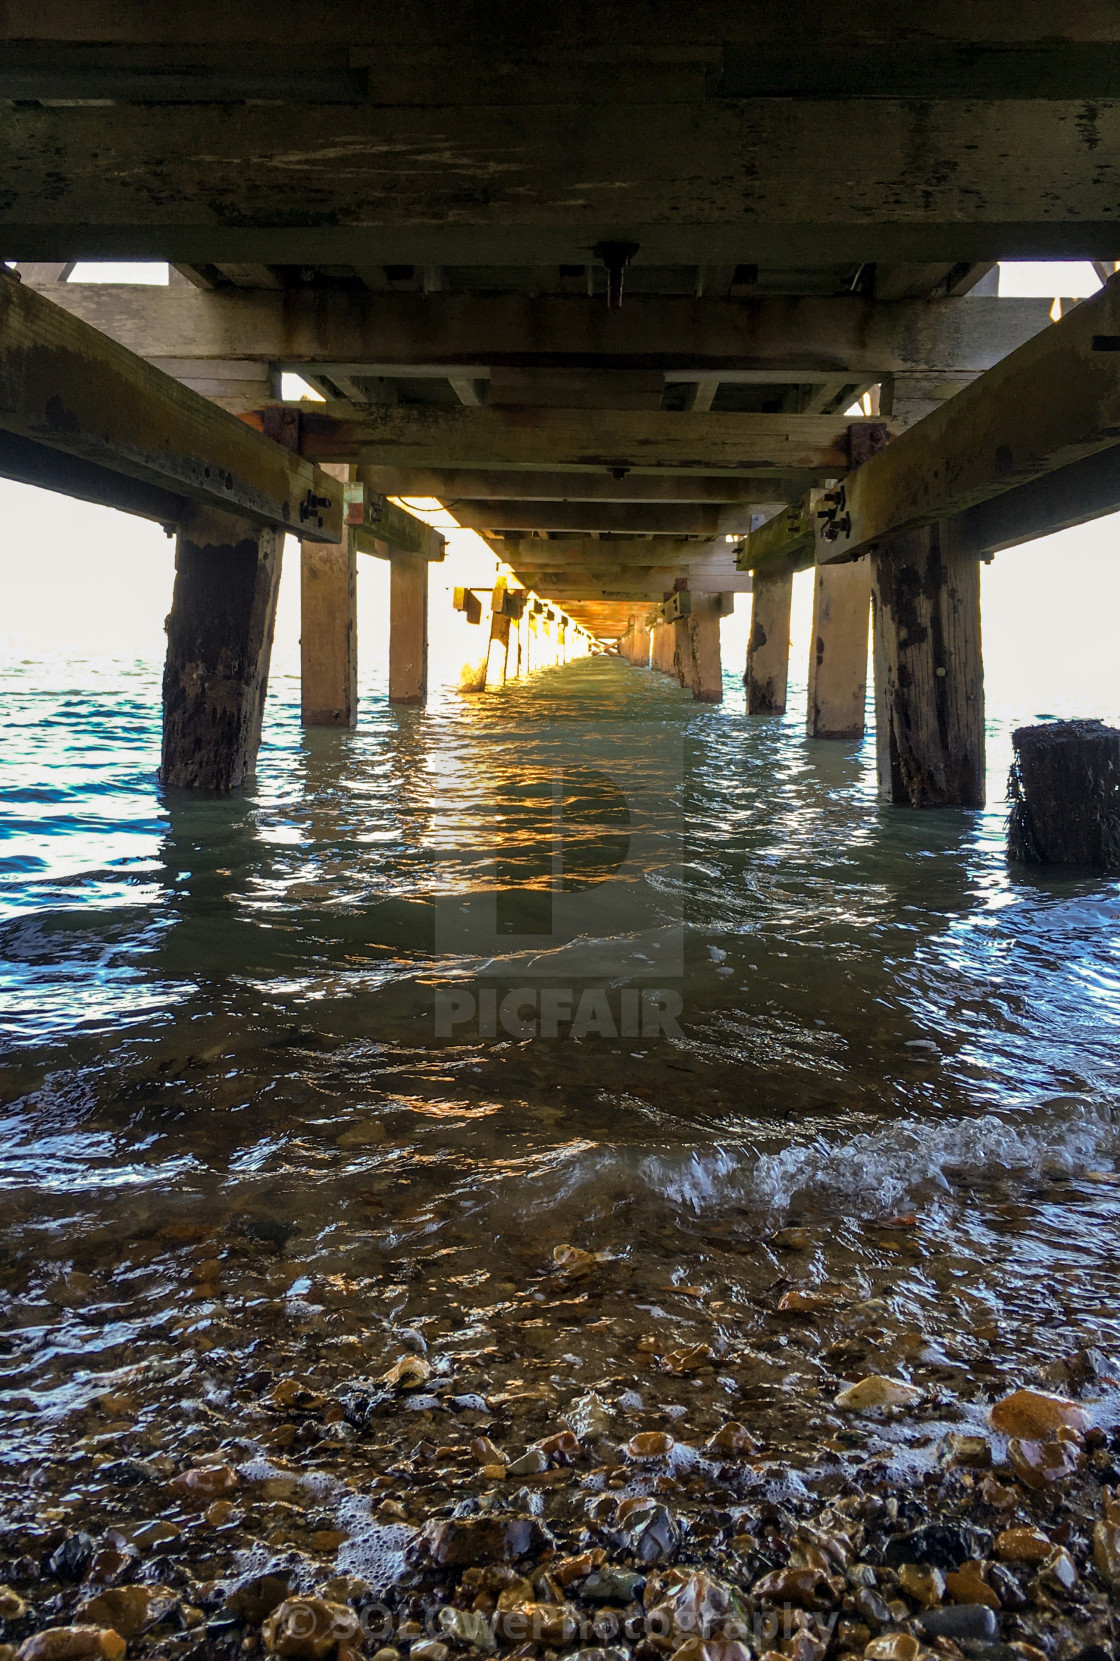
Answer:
[(328, 636), (704, 648), (219, 641), (408, 629), (929, 673), (838, 655), (768, 645)]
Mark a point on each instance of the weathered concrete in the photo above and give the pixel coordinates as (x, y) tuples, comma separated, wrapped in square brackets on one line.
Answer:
[(704, 648), (219, 640), (768, 645), (929, 674), (328, 637), (838, 653), (408, 629)]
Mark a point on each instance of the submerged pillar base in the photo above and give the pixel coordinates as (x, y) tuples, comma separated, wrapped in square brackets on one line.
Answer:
[(408, 629), (838, 656), (768, 646)]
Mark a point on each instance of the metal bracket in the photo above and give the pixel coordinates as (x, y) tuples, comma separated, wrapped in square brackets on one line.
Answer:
[(835, 522), (310, 506)]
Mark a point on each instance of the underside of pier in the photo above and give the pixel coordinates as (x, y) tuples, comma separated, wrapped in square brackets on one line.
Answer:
[(666, 305)]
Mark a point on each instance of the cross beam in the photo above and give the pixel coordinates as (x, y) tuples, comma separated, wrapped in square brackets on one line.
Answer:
[(86, 416)]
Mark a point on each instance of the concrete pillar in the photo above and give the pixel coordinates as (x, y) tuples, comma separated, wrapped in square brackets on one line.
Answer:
[(768, 646), (408, 629), (328, 633), (704, 646), (929, 671), (219, 641), (838, 656)]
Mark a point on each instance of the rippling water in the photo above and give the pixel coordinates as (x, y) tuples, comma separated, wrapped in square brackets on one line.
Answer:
[(221, 1023)]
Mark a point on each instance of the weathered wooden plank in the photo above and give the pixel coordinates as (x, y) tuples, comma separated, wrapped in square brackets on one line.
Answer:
[(512, 484), (385, 527), (788, 535), (427, 436), (919, 180), (777, 337), (65, 387), (1052, 402), (618, 518)]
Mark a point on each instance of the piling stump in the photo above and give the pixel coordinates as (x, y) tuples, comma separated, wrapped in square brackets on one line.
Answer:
[(1065, 795)]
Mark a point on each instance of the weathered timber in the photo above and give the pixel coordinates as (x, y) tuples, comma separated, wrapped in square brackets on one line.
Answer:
[(65, 387), (390, 524), (929, 674), (787, 536), (618, 518), (677, 174), (511, 484), (683, 665), (30, 463), (838, 650), (704, 648), (763, 338), (328, 638), (500, 621), (1065, 795), (408, 629), (219, 641), (1051, 402), (768, 644), (661, 648), (1086, 489), (427, 436)]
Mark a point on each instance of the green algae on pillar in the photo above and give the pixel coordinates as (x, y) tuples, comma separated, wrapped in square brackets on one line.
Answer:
[(838, 655), (219, 641), (768, 645), (929, 672), (408, 629)]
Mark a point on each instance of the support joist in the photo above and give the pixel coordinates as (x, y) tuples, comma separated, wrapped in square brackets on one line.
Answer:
[(65, 387), (620, 518), (1051, 403), (514, 484)]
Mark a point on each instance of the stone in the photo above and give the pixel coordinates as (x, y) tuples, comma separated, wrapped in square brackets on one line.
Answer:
[(561, 1449), (611, 1585), (731, 1438), (74, 1643), (923, 1582), (1033, 1416), (806, 1588), (1106, 1552), (589, 1417), (292, 1395), (968, 1586), (647, 1530), (1041, 1464), (964, 1620), (792, 1240), (875, 1391), (458, 1542), (129, 1610), (960, 1452), (408, 1372), (12, 1606), (893, 1646), (650, 1444), (429, 1649), (554, 1624), (256, 1596), (1059, 1572), (531, 1463), (308, 1628), (205, 1482), (468, 1626), (797, 1302), (1022, 1545), (943, 1545)]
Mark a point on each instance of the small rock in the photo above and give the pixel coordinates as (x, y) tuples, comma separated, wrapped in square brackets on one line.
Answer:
[(1106, 1552), (923, 1582), (429, 1649), (731, 1438), (612, 1585), (458, 1542), (648, 1530), (875, 1391), (806, 1588), (205, 1482), (561, 1449), (485, 1451), (407, 1373), (650, 1444), (1059, 1572), (965, 1620), (467, 1626), (1033, 1416), (12, 1607), (1022, 1545), (943, 1545), (1041, 1464), (74, 1643), (292, 1395), (308, 1628), (255, 1597), (531, 1463), (589, 1417), (792, 1240), (129, 1610), (960, 1452), (71, 1559), (797, 1302), (893, 1646), (968, 1586), (553, 1624)]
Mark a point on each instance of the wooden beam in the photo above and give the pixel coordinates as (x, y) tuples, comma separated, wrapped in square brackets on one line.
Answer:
[(386, 523), (425, 436), (512, 484), (637, 550), (891, 179), (776, 337), (1049, 404), (1073, 495), (619, 518), (786, 538), (65, 387)]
